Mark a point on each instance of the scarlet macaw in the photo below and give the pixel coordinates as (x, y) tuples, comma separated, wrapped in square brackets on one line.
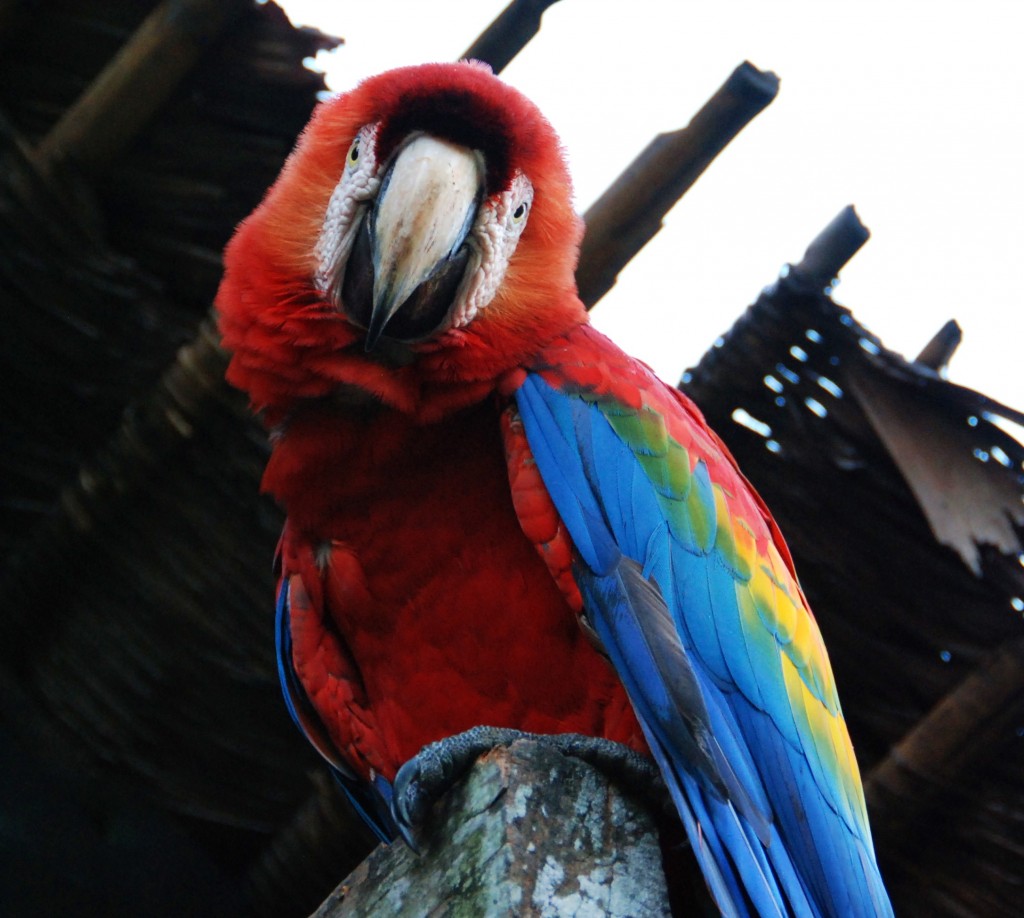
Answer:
[(495, 516)]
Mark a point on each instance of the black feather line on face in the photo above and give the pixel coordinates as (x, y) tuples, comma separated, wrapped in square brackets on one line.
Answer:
[(460, 117)]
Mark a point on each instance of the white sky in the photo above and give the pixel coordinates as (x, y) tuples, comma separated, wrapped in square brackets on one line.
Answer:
[(913, 111)]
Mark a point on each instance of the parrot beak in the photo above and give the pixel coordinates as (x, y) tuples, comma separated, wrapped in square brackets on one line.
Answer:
[(412, 241)]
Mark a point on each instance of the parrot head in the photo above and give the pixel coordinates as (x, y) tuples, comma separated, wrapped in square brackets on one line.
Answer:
[(425, 217)]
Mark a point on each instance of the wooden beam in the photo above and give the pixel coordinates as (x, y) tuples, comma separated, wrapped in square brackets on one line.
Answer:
[(132, 87), (832, 248), (937, 353), (504, 38), (960, 732), (631, 211), (152, 434)]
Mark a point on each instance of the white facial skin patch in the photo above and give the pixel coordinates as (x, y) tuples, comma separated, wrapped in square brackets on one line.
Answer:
[(494, 237), (356, 188)]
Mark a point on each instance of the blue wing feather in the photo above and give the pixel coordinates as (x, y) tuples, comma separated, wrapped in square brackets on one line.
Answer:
[(371, 802), (629, 616), (772, 834)]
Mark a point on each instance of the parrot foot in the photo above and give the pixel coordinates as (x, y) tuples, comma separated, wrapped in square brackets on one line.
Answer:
[(426, 777)]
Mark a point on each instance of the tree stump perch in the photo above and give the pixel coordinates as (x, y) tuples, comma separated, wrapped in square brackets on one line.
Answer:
[(529, 832)]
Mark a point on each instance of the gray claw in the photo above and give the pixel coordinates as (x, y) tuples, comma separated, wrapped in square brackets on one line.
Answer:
[(426, 777), (409, 802)]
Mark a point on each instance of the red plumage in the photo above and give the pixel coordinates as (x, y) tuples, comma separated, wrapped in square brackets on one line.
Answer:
[(429, 611), (420, 571)]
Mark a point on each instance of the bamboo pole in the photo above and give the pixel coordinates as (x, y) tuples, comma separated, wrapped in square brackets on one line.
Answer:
[(625, 218), (833, 247), (504, 38), (937, 353), (124, 97), (945, 745)]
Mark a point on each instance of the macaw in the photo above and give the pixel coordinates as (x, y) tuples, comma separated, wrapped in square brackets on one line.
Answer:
[(495, 516)]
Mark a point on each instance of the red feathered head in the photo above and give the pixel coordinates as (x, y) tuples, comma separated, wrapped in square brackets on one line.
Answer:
[(422, 229)]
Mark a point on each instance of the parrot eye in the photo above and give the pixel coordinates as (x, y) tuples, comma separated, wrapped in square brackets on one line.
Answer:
[(359, 159), (520, 197)]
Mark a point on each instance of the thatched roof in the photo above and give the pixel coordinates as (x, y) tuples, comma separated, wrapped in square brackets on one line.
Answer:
[(141, 711), (900, 497)]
